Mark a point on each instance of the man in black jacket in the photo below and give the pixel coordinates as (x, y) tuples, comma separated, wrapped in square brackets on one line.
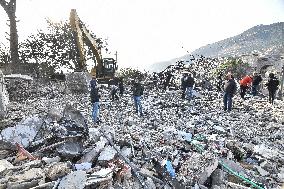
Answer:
[(255, 83), (190, 82), (230, 89), (183, 85), (272, 86), (137, 92), (95, 100)]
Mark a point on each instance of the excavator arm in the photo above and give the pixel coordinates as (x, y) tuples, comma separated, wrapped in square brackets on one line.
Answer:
[(104, 67), (81, 34)]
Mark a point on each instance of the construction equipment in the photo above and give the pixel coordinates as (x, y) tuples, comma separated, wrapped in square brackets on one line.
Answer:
[(104, 68)]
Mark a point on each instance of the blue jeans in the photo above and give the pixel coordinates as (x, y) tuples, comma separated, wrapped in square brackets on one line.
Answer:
[(138, 105), (189, 92), (227, 99), (96, 110)]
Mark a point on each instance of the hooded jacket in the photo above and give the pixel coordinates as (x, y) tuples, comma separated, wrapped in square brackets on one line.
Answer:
[(230, 87), (272, 84)]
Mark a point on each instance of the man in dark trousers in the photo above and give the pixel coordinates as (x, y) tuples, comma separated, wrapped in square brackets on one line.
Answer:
[(121, 86), (230, 89), (272, 86), (113, 93), (219, 82), (255, 83), (190, 82), (183, 85), (137, 93), (168, 79), (95, 100)]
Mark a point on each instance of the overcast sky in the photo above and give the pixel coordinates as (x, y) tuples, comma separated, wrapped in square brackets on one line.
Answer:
[(148, 31)]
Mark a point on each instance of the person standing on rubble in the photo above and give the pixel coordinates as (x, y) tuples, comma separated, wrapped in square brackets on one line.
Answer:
[(155, 80), (245, 83), (230, 89), (95, 100), (137, 93), (189, 86), (93, 82), (255, 83), (183, 85), (168, 79), (272, 86), (121, 86), (113, 93), (220, 82)]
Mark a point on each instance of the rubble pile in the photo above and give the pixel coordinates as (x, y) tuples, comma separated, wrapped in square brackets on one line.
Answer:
[(51, 142)]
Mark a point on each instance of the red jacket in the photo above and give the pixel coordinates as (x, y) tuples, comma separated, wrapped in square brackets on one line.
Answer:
[(246, 81)]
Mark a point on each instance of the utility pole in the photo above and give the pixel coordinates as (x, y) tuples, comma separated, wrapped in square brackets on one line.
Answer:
[(281, 84), (282, 61)]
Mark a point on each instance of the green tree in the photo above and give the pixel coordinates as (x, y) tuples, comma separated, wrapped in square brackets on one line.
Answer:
[(234, 65), (56, 48), (129, 74)]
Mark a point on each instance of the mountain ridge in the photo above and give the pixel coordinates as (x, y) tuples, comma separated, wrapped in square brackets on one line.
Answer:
[(261, 39)]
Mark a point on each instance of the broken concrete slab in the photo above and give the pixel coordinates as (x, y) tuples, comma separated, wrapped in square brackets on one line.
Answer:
[(24, 132), (125, 151), (261, 171), (83, 166), (217, 177), (51, 160), (76, 179), (92, 154), (36, 174), (57, 170), (207, 172), (107, 154), (103, 175), (54, 114), (70, 149), (4, 165)]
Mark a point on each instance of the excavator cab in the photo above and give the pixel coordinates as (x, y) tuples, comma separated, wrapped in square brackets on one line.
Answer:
[(109, 67), (106, 70)]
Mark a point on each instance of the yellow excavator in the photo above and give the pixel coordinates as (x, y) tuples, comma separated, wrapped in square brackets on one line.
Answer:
[(104, 69)]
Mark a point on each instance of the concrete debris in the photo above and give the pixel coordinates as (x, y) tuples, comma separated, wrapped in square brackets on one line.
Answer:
[(124, 150), (57, 170), (107, 154), (4, 165), (261, 171), (48, 160), (83, 166), (70, 149), (78, 82), (24, 132), (101, 176), (76, 179), (207, 172)]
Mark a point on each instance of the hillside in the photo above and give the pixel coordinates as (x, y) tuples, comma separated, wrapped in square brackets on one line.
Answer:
[(261, 39)]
